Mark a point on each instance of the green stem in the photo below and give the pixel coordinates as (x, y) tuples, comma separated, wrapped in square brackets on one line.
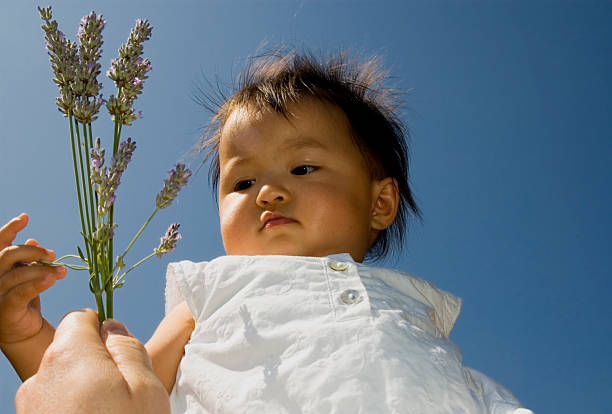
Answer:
[(117, 131), (100, 305), (109, 285), (78, 186), (104, 266), (91, 145), (70, 266), (93, 256), (109, 302), (83, 183), (87, 146), (138, 234), (120, 278), (90, 257), (58, 262), (74, 256)]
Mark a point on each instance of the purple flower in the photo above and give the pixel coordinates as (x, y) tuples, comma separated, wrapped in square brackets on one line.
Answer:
[(97, 165), (168, 242), (107, 180), (177, 179), (86, 109), (129, 72), (64, 60), (123, 156), (105, 232), (90, 39)]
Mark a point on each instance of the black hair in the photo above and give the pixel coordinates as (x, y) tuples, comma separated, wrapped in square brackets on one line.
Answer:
[(275, 80)]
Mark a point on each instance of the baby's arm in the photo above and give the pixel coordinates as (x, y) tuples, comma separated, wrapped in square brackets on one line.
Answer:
[(25, 356), (167, 345), (24, 333)]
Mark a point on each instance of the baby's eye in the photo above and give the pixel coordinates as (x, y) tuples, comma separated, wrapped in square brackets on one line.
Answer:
[(304, 169), (243, 185)]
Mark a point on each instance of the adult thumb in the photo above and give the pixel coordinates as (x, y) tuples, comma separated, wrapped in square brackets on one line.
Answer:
[(127, 352)]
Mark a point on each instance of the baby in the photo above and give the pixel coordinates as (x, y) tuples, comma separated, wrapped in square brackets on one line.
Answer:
[(310, 166)]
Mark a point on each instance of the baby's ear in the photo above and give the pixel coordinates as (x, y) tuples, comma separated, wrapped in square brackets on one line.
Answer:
[(385, 202)]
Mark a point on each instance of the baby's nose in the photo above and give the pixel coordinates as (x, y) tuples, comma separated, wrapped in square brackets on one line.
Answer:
[(270, 194)]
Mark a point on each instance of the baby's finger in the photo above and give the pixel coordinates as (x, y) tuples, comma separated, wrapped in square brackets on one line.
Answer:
[(31, 242), (14, 255), (26, 274), (22, 294), (9, 231)]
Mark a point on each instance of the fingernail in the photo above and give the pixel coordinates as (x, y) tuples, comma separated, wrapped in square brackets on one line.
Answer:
[(62, 271), (51, 254), (113, 327)]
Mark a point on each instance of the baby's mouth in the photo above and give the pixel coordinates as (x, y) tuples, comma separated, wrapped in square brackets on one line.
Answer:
[(271, 219)]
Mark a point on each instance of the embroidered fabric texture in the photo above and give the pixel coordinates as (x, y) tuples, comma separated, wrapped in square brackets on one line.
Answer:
[(286, 334)]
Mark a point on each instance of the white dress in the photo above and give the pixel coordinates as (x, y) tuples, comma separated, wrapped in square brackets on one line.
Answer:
[(287, 334)]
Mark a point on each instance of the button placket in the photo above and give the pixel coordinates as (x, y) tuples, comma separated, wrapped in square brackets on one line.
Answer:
[(338, 266), (350, 297), (348, 289)]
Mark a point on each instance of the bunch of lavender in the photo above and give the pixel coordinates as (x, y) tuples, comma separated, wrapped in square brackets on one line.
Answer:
[(76, 70)]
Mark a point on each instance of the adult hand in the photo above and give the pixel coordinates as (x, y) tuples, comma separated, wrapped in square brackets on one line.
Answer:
[(93, 369)]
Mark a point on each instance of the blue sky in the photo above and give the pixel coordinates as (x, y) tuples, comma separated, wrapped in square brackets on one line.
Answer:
[(508, 104)]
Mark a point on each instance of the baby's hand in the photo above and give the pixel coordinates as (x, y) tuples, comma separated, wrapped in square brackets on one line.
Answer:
[(21, 281)]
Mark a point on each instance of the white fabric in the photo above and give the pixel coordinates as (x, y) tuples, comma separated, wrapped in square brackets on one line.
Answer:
[(287, 334)]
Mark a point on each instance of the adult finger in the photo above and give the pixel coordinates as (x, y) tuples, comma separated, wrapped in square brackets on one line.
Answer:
[(24, 274), (128, 353), (73, 370), (77, 329), (12, 255), (134, 364), (9, 231)]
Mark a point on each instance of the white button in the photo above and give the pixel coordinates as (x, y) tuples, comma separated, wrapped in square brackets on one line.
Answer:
[(340, 266), (350, 296)]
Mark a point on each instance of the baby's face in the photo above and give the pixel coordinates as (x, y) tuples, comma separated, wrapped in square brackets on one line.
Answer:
[(296, 186)]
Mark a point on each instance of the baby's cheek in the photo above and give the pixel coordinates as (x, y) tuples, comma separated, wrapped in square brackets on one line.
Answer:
[(228, 217), (235, 227)]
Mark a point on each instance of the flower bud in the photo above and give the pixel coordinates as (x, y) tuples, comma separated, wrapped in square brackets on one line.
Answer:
[(168, 242), (177, 179)]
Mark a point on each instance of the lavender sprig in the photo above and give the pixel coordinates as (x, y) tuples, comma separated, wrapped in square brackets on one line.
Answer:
[(97, 166), (106, 180), (177, 179), (168, 242), (105, 232), (129, 72), (90, 49), (64, 58), (75, 71), (86, 86)]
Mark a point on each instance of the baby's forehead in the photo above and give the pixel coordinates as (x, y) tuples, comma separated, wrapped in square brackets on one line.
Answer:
[(305, 114), (307, 124)]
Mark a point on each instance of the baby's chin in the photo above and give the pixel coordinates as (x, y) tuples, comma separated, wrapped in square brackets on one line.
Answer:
[(287, 251)]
